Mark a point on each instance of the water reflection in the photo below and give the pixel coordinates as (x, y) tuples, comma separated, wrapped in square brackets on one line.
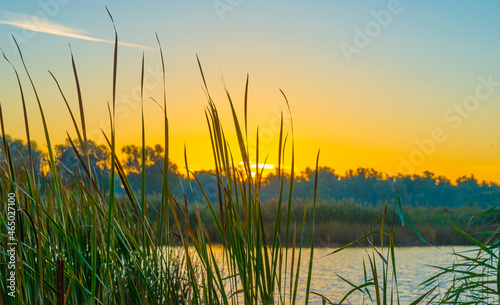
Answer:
[(413, 266)]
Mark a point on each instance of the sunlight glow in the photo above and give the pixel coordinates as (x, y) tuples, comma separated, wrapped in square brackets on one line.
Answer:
[(264, 166)]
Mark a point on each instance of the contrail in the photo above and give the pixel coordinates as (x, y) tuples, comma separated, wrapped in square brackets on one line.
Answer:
[(32, 23)]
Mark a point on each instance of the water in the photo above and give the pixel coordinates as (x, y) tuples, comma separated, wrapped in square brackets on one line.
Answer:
[(413, 267)]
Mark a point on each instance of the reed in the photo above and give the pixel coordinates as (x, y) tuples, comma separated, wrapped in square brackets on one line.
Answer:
[(75, 232), (108, 248), (473, 276)]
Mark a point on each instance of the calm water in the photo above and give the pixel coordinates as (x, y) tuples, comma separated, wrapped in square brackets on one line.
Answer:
[(412, 265), (412, 269)]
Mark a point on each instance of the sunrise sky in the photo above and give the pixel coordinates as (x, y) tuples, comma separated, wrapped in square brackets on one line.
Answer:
[(399, 86)]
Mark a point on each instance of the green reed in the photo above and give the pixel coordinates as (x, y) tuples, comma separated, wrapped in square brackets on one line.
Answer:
[(115, 253)]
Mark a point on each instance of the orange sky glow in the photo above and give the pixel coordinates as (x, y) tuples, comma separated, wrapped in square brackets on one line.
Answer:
[(412, 96)]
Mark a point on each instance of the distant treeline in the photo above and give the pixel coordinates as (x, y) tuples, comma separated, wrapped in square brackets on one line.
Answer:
[(363, 185)]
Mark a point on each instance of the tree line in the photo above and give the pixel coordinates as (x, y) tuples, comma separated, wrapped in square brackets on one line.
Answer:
[(362, 185)]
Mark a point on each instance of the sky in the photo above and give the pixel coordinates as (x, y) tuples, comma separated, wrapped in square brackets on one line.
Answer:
[(398, 86)]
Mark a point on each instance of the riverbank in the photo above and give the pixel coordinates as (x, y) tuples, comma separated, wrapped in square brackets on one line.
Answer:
[(340, 222)]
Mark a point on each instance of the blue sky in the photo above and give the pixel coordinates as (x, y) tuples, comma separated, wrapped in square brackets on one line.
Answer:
[(367, 109)]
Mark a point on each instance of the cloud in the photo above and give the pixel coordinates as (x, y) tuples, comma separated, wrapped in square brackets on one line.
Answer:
[(42, 25)]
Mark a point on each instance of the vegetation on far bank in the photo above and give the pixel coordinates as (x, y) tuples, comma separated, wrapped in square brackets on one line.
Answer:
[(365, 186)]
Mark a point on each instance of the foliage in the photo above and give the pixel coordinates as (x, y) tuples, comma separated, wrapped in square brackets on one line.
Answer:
[(81, 204), (114, 251), (361, 186), (154, 157)]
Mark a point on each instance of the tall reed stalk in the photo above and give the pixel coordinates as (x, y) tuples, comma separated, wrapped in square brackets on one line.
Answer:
[(115, 253)]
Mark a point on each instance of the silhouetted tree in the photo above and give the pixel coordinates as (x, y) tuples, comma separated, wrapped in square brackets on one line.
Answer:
[(19, 153), (70, 164), (132, 164)]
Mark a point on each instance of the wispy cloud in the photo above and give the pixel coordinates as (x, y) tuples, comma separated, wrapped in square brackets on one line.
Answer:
[(36, 24)]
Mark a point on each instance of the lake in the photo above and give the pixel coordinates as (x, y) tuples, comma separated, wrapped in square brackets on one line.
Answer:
[(412, 264), (413, 267)]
